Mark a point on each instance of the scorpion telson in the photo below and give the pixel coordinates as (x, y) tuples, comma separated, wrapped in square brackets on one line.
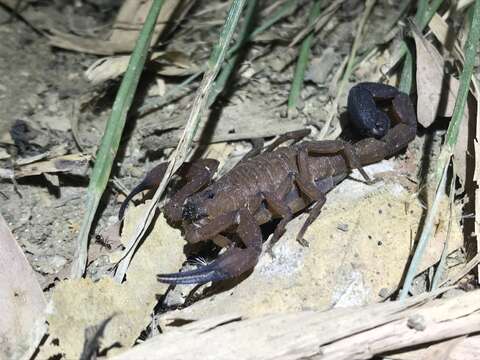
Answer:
[(278, 182)]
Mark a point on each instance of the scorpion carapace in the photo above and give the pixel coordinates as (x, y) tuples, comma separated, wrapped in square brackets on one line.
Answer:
[(278, 183)]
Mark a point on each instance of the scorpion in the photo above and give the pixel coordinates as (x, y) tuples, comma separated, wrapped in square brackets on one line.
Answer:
[(278, 183)]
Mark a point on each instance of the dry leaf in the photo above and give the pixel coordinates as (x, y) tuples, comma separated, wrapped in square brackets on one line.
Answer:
[(175, 63), (125, 32), (22, 321), (76, 164), (170, 63), (437, 93)]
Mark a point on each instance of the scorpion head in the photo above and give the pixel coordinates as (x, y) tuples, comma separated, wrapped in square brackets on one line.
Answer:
[(192, 212), (209, 203), (197, 206)]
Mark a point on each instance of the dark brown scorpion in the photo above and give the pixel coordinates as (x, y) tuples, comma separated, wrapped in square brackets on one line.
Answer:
[(278, 183)]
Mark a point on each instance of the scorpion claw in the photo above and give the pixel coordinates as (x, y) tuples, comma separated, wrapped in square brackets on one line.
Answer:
[(201, 275), (233, 262), (138, 189)]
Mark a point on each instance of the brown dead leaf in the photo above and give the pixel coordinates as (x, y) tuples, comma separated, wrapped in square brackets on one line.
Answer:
[(133, 13), (170, 63), (22, 321), (125, 31), (446, 35), (76, 164), (437, 93)]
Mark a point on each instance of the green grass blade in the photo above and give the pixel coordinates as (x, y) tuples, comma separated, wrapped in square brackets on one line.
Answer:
[(111, 138), (422, 18), (406, 78), (229, 65), (302, 61)]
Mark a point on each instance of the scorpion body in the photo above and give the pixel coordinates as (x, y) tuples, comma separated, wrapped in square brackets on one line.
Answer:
[(279, 182)]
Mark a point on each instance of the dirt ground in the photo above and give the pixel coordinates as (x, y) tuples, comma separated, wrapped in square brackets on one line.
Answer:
[(48, 105)]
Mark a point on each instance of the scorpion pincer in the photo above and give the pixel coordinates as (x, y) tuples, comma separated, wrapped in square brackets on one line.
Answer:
[(278, 183)]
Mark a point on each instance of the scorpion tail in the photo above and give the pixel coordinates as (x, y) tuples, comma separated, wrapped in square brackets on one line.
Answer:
[(233, 262)]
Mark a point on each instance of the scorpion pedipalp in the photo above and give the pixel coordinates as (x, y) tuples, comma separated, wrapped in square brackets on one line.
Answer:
[(233, 262)]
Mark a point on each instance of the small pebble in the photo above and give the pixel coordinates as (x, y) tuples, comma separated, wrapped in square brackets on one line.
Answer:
[(416, 322)]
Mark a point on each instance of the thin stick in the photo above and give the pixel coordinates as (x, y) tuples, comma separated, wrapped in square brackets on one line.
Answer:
[(318, 23), (464, 271), (442, 264), (214, 64), (111, 139)]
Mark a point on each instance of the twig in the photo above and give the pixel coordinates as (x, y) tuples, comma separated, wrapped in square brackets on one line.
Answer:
[(464, 271), (111, 139), (443, 258), (214, 64)]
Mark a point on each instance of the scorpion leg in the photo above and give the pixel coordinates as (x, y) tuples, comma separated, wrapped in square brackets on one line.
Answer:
[(308, 188), (258, 143), (257, 147), (306, 182), (291, 135), (189, 171), (275, 202), (234, 261)]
